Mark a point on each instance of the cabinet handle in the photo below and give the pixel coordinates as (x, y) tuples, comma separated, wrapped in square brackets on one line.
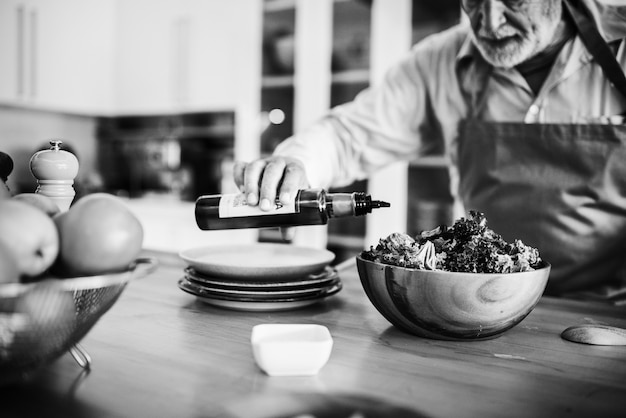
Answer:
[(173, 58), (180, 62), (20, 50), (184, 59), (33, 52)]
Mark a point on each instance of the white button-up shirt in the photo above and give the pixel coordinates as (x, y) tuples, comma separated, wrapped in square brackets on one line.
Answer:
[(420, 102)]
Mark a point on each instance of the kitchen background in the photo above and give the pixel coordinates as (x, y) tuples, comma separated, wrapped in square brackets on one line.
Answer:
[(157, 98)]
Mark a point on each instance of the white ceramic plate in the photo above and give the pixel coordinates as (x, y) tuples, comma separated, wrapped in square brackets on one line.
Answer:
[(257, 261), (253, 294), (312, 280), (259, 305)]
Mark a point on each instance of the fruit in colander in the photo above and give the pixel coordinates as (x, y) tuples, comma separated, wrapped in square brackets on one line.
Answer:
[(29, 235), (98, 234)]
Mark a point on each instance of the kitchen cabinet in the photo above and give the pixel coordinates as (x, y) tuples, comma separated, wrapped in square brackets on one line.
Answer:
[(223, 41), (181, 55), (366, 36), (149, 45), (56, 54), (120, 57)]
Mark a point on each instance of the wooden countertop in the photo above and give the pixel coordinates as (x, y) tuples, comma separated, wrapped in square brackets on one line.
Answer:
[(161, 353)]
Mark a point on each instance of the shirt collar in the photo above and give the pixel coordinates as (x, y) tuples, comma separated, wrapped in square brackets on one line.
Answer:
[(468, 49)]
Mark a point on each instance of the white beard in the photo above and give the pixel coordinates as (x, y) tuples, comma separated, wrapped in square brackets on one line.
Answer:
[(517, 47)]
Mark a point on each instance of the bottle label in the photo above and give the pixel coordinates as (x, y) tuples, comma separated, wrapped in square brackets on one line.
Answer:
[(236, 205)]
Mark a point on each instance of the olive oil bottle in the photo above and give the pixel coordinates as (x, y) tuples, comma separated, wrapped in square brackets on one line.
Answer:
[(309, 207)]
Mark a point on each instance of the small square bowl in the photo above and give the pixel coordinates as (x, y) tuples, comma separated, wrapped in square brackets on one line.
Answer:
[(291, 349)]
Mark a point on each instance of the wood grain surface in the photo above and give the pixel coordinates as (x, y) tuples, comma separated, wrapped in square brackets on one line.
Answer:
[(160, 353), (451, 305)]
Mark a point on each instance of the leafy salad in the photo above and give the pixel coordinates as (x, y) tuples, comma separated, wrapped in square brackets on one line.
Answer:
[(467, 246)]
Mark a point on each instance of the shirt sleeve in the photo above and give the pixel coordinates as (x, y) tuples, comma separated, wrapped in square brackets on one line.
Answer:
[(383, 124)]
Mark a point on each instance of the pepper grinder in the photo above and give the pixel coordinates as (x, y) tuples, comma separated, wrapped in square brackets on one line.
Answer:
[(55, 170)]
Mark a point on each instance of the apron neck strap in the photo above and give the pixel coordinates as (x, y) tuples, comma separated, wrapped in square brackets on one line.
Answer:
[(476, 87), (596, 45)]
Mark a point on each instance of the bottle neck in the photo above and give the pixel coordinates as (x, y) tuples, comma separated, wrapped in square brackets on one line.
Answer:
[(351, 204), (339, 205)]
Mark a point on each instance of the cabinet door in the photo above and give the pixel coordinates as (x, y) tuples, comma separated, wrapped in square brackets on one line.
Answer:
[(220, 43), (12, 51), (148, 55), (186, 55), (56, 55), (71, 54)]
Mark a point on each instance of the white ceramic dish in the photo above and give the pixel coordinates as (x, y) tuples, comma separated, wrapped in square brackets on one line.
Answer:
[(311, 280), (291, 349), (256, 304), (255, 294), (265, 306), (259, 261)]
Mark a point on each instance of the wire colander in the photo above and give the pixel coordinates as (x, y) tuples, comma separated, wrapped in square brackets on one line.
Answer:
[(41, 321)]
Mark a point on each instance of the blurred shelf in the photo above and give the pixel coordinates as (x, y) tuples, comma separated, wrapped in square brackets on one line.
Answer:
[(274, 81), (351, 76), (358, 76), (346, 241), (148, 134), (278, 5), (217, 130), (270, 235), (431, 161)]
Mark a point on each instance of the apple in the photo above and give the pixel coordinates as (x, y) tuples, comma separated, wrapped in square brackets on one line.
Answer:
[(40, 201), (29, 235), (98, 235), (8, 266)]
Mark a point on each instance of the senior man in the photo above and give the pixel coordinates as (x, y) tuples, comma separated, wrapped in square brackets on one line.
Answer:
[(529, 100)]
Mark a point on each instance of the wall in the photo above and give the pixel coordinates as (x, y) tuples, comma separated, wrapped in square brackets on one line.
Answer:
[(25, 131)]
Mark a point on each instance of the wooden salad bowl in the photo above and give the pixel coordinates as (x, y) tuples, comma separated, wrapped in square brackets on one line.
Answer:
[(451, 305)]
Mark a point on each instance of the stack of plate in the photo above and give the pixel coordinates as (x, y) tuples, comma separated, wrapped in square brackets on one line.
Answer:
[(259, 277)]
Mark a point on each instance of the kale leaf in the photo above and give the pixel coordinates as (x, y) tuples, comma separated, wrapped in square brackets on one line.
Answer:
[(467, 246)]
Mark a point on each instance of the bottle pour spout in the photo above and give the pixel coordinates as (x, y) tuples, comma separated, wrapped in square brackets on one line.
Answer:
[(364, 204), (380, 204)]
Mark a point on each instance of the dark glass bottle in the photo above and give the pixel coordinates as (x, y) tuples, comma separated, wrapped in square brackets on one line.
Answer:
[(310, 207)]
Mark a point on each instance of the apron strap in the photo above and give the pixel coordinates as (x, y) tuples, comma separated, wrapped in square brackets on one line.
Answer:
[(478, 92), (597, 46)]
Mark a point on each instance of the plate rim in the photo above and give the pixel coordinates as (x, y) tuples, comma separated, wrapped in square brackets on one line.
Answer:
[(313, 279), (325, 257), (323, 293), (257, 306), (262, 294)]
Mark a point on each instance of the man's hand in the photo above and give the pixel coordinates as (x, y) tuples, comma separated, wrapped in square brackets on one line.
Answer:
[(264, 179)]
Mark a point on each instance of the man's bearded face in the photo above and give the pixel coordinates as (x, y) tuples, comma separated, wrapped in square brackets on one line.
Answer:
[(509, 32)]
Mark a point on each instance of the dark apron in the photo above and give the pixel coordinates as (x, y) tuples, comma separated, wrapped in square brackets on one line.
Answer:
[(558, 187)]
